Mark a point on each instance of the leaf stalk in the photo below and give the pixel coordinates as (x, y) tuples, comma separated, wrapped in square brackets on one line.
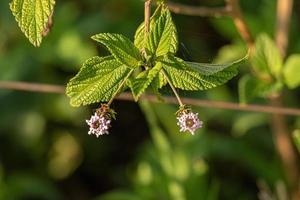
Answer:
[(173, 89), (119, 88)]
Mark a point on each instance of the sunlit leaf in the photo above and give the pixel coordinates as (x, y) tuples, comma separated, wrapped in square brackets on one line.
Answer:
[(266, 59), (184, 77), (121, 48), (251, 87), (140, 84), (163, 36), (162, 31), (296, 137), (98, 79), (34, 18), (209, 69)]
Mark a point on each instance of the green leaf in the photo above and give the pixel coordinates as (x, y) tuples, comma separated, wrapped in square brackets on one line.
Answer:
[(251, 87), (98, 79), (291, 71), (248, 85), (141, 83), (163, 36), (186, 78), (296, 138), (160, 24), (121, 48), (266, 59), (159, 81), (209, 69), (139, 37), (33, 17)]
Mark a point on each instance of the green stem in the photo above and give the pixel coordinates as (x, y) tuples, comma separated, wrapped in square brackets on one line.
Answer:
[(173, 89), (119, 88)]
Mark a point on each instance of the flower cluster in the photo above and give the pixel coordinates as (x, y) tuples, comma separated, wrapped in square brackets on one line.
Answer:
[(188, 121), (100, 122)]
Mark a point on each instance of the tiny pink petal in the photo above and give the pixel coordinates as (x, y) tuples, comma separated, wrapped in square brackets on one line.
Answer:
[(99, 125), (189, 121)]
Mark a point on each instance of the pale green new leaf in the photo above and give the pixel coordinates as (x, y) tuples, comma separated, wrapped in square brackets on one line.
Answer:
[(121, 48), (141, 83), (251, 87), (98, 79), (266, 59), (248, 88), (296, 138), (33, 17), (187, 78), (291, 71), (160, 24)]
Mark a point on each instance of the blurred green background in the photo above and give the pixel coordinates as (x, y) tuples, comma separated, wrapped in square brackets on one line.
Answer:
[(46, 153)]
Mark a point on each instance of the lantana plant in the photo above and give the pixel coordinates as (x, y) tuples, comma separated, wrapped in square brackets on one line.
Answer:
[(149, 62)]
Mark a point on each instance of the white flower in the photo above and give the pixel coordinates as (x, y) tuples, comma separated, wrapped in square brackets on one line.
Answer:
[(188, 121), (99, 125)]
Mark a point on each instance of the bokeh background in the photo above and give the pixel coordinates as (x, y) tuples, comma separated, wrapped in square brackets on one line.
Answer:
[(46, 153)]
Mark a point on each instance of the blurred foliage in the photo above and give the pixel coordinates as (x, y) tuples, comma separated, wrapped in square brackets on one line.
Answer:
[(46, 153)]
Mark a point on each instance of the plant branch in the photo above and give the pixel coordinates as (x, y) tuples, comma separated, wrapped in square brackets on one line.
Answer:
[(57, 89), (239, 21), (232, 9), (284, 11), (197, 10), (282, 135), (147, 17)]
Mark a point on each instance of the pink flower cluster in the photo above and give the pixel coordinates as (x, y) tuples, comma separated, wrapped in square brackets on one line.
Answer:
[(99, 125), (188, 121)]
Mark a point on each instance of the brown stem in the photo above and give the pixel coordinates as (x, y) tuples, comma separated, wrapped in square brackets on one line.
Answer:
[(285, 149), (58, 89), (284, 11), (232, 9), (197, 10), (282, 135), (147, 16), (235, 12)]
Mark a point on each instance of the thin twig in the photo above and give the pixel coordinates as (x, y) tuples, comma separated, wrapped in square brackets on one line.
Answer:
[(32, 87), (147, 16), (232, 9), (239, 21), (284, 10), (281, 131), (57, 89), (197, 10)]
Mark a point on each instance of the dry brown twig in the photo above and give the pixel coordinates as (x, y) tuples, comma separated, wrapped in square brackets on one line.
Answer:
[(282, 135), (58, 89)]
